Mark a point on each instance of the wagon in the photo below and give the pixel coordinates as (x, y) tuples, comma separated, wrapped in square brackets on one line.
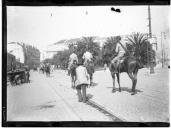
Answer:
[(18, 76)]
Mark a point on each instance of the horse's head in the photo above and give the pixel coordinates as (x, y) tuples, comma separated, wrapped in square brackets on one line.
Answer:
[(139, 60)]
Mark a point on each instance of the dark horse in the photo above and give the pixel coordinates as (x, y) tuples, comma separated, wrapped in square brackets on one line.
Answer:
[(130, 65), (90, 69), (47, 70), (73, 73)]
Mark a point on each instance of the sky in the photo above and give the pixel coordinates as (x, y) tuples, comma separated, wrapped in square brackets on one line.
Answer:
[(41, 26)]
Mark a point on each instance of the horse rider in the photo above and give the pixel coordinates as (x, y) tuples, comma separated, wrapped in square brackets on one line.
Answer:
[(73, 57), (82, 81), (87, 57), (120, 51)]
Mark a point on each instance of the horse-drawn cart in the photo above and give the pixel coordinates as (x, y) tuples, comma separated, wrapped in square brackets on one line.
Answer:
[(18, 76)]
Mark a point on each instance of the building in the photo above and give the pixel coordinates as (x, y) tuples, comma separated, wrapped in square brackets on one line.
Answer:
[(16, 49)]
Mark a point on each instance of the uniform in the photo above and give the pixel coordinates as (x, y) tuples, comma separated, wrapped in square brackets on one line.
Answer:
[(87, 57), (82, 80), (120, 53), (119, 49)]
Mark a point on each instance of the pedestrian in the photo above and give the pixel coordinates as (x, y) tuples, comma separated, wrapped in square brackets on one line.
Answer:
[(105, 67), (82, 81)]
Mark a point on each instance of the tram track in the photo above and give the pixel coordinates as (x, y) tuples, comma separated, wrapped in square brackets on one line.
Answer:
[(92, 104), (56, 92), (148, 94)]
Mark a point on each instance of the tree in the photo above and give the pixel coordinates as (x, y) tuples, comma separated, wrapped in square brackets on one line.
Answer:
[(91, 45), (141, 47), (87, 43), (108, 49)]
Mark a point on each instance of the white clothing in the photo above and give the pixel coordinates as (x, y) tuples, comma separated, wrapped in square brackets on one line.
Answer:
[(72, 57), (87, 56), (119, 49), (82, 76)]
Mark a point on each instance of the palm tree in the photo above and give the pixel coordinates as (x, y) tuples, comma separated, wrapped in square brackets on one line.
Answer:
[(108, 49), (138, 44), (91, 45)]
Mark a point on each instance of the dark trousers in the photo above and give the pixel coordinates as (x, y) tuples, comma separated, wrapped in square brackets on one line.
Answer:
[(81, 96)]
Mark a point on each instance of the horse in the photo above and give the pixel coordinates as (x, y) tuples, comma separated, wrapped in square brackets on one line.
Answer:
[(130, 65), (42, 68), (90, 69), (73, 73), (47, 70)]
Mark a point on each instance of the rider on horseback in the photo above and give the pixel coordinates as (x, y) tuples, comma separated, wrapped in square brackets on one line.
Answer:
[(73, 57), (119, 54), (87, 57)]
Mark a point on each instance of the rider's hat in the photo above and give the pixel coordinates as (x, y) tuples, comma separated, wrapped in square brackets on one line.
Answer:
[(118, 38)]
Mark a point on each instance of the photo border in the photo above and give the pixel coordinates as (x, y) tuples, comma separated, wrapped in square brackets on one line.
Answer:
[(6, 3)]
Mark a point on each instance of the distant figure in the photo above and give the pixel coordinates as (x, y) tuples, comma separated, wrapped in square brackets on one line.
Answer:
[(73, 57), (82, 81), (105, 67)]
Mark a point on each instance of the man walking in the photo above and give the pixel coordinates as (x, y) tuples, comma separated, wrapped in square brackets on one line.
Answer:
[(82, 81)]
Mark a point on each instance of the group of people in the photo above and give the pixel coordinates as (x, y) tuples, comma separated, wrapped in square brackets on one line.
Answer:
[(82, 76)]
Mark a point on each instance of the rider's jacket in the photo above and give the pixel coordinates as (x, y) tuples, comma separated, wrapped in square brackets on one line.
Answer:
[(82, 76), (119, 49), (73, 57), (87, 56)]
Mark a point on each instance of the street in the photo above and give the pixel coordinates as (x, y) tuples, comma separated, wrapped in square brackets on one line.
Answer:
[(53, 99)]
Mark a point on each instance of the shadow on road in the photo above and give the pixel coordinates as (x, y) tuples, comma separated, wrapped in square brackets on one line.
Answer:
[(104, 111), (47, 105), (89, 96), (94, 84), (126, 89)]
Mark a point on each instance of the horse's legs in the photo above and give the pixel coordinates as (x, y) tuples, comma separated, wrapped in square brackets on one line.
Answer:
[(118, 79), (91, 80), (74, 82), (134, 81), (113, 76)]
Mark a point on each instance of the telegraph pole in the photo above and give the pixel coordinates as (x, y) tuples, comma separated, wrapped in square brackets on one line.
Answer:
[(162, 50), (150, 36)]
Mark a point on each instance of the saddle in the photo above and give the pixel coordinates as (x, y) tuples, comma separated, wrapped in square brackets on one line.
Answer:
[(117, 65), (90, 67)]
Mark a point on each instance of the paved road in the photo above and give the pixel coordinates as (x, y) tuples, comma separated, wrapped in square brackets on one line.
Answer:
[(53, 99)]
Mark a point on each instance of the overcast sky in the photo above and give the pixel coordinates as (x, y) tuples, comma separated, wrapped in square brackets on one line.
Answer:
[(40, 26)]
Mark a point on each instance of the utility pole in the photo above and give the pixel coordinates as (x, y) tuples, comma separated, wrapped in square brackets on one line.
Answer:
[(162, 50), (150, 36), (163, 34)]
